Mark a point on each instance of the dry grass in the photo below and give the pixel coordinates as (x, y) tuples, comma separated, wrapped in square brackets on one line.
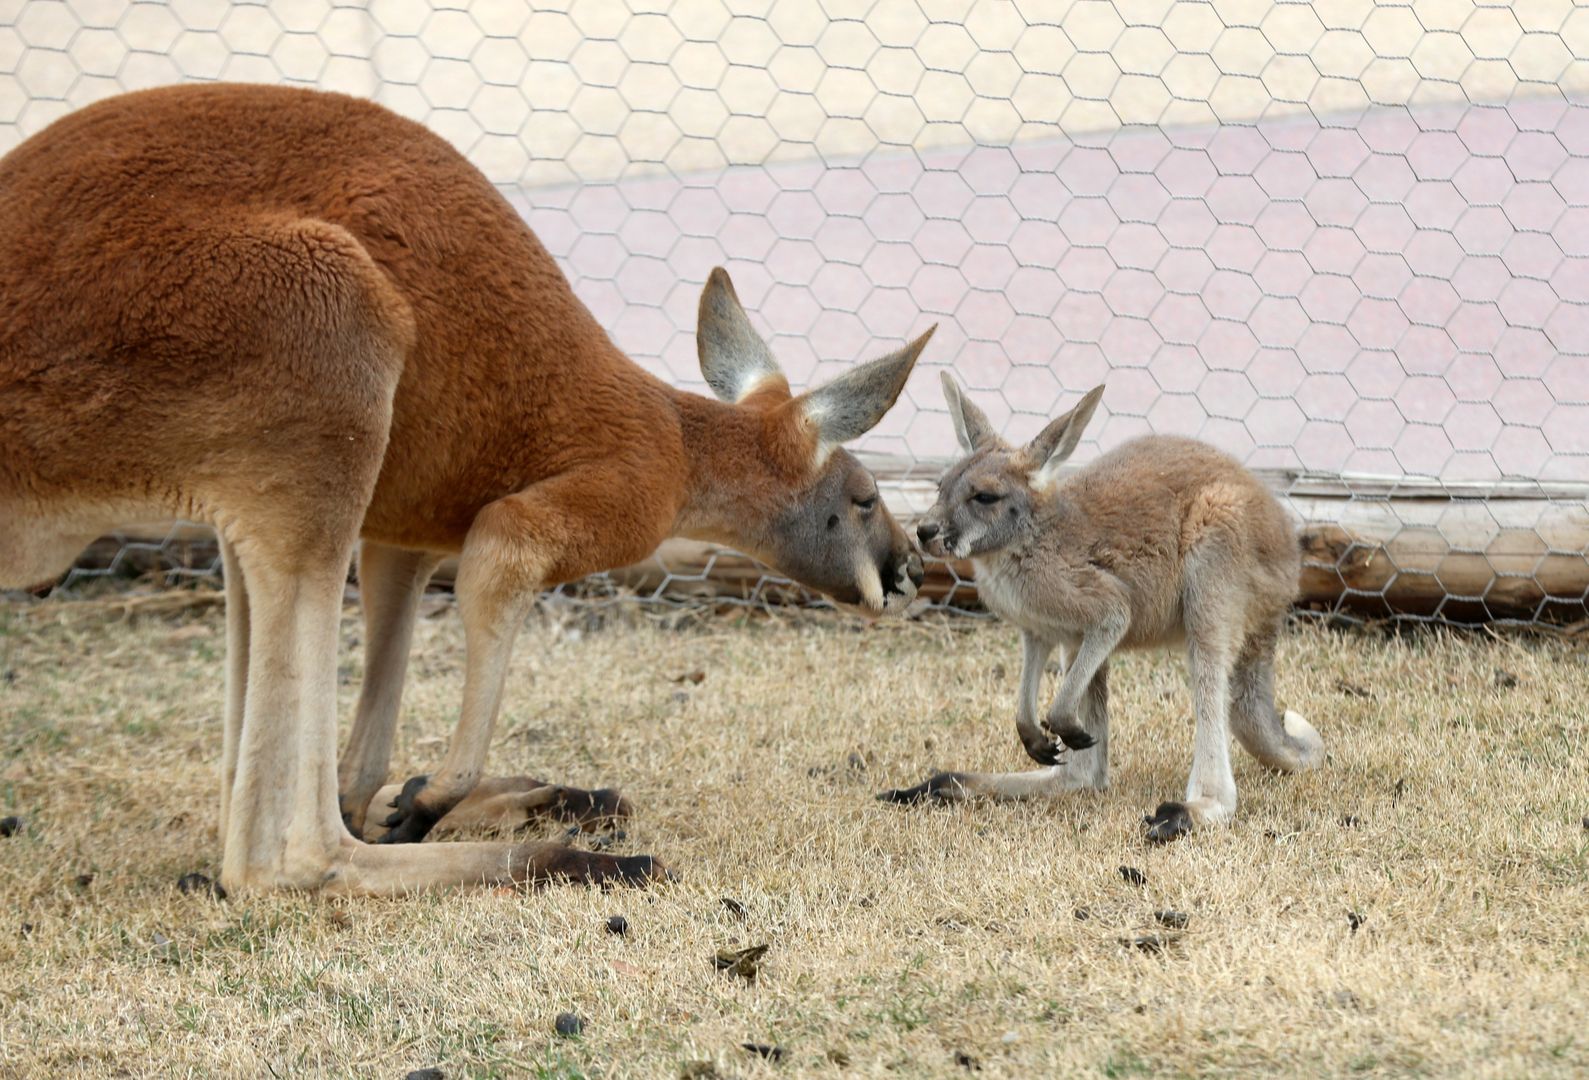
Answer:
[(898, 939)]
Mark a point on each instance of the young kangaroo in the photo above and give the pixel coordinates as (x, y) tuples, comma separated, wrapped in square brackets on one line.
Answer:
[(308, 321), (1159, 541)]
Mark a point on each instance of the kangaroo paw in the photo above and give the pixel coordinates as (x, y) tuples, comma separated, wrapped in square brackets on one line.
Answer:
[(1171, 821)]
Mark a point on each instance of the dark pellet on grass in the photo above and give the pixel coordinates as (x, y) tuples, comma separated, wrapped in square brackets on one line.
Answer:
[(1355, 921), (735, 908), (618, 925), (1175, 920), (1350, 822), (10, 826), (426, 1074), (568, 1025), (1132, 876), (771, 1053), (83, 881), (966, 1061), (1082, 914), (1152, 944)]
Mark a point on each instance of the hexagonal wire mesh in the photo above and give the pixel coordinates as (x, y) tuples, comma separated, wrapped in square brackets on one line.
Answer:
[(1348, 243)]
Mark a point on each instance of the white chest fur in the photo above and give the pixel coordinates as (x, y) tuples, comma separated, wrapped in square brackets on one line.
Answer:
[(1001, 590)]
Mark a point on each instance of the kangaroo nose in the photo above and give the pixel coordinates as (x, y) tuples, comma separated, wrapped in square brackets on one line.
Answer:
[(926, 531)]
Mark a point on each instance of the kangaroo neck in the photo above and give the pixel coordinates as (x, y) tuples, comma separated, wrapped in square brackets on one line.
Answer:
[(733, 478)]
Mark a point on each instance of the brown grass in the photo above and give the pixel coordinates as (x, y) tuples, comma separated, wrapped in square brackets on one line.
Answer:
[(899, 939)]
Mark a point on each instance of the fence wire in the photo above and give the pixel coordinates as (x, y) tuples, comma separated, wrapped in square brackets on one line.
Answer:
[(1348, 242)]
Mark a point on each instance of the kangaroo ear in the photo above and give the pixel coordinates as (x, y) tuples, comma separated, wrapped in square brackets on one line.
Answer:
[(972, 428), (851, 405), (734, 359), (1058, 440)]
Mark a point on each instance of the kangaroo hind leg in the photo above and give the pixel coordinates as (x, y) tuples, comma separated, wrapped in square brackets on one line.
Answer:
[(1285, 741)]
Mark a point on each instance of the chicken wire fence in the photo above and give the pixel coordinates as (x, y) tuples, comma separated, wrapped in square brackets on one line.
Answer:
[(1347, 241)]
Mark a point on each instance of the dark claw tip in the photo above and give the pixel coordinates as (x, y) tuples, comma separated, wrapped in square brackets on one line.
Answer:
[(1076, 739)]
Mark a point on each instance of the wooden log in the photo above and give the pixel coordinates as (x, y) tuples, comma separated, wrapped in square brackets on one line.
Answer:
[(1372, 547)]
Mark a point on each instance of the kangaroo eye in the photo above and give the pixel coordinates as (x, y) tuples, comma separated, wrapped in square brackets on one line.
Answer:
[(987, 498), (867, 503)]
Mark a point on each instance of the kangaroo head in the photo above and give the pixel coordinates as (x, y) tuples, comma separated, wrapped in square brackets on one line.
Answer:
[(987, 499), (804, 505)]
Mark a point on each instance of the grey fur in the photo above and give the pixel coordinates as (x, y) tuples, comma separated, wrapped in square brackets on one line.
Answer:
[(972, 427), (851, 405), (1160, 541), (733, 356)]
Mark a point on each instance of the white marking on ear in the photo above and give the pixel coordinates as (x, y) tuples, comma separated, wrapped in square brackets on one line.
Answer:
[(1043, 478), (750, 380)]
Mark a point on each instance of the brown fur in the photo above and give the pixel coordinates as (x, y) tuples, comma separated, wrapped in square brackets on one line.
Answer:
[(1159, 541), (305, 320)]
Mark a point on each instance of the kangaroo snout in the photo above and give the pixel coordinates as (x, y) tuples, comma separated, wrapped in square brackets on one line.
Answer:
[(932, 538)]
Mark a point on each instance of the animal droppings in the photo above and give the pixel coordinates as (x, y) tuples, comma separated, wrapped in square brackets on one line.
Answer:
[(10, 826), (745, 963), (735, 908), (771, 1053), (1355, 921), (1152, 944), (426, 1074), (617, 924), (1175, 920), (568, 1025), (1132, 876)]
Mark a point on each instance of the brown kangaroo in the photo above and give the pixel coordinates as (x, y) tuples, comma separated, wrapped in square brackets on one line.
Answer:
[(306, 320), (1160, 541)]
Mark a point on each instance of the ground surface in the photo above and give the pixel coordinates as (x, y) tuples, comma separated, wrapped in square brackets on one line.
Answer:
[(1449, 821)]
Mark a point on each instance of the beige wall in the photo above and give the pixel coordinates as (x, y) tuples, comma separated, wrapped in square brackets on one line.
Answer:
[(616, 87)]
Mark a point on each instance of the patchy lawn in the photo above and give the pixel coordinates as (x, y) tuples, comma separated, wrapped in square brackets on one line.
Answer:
[(1420, 906)]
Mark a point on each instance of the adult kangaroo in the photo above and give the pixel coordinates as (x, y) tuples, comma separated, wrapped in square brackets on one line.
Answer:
[(306, 320)]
